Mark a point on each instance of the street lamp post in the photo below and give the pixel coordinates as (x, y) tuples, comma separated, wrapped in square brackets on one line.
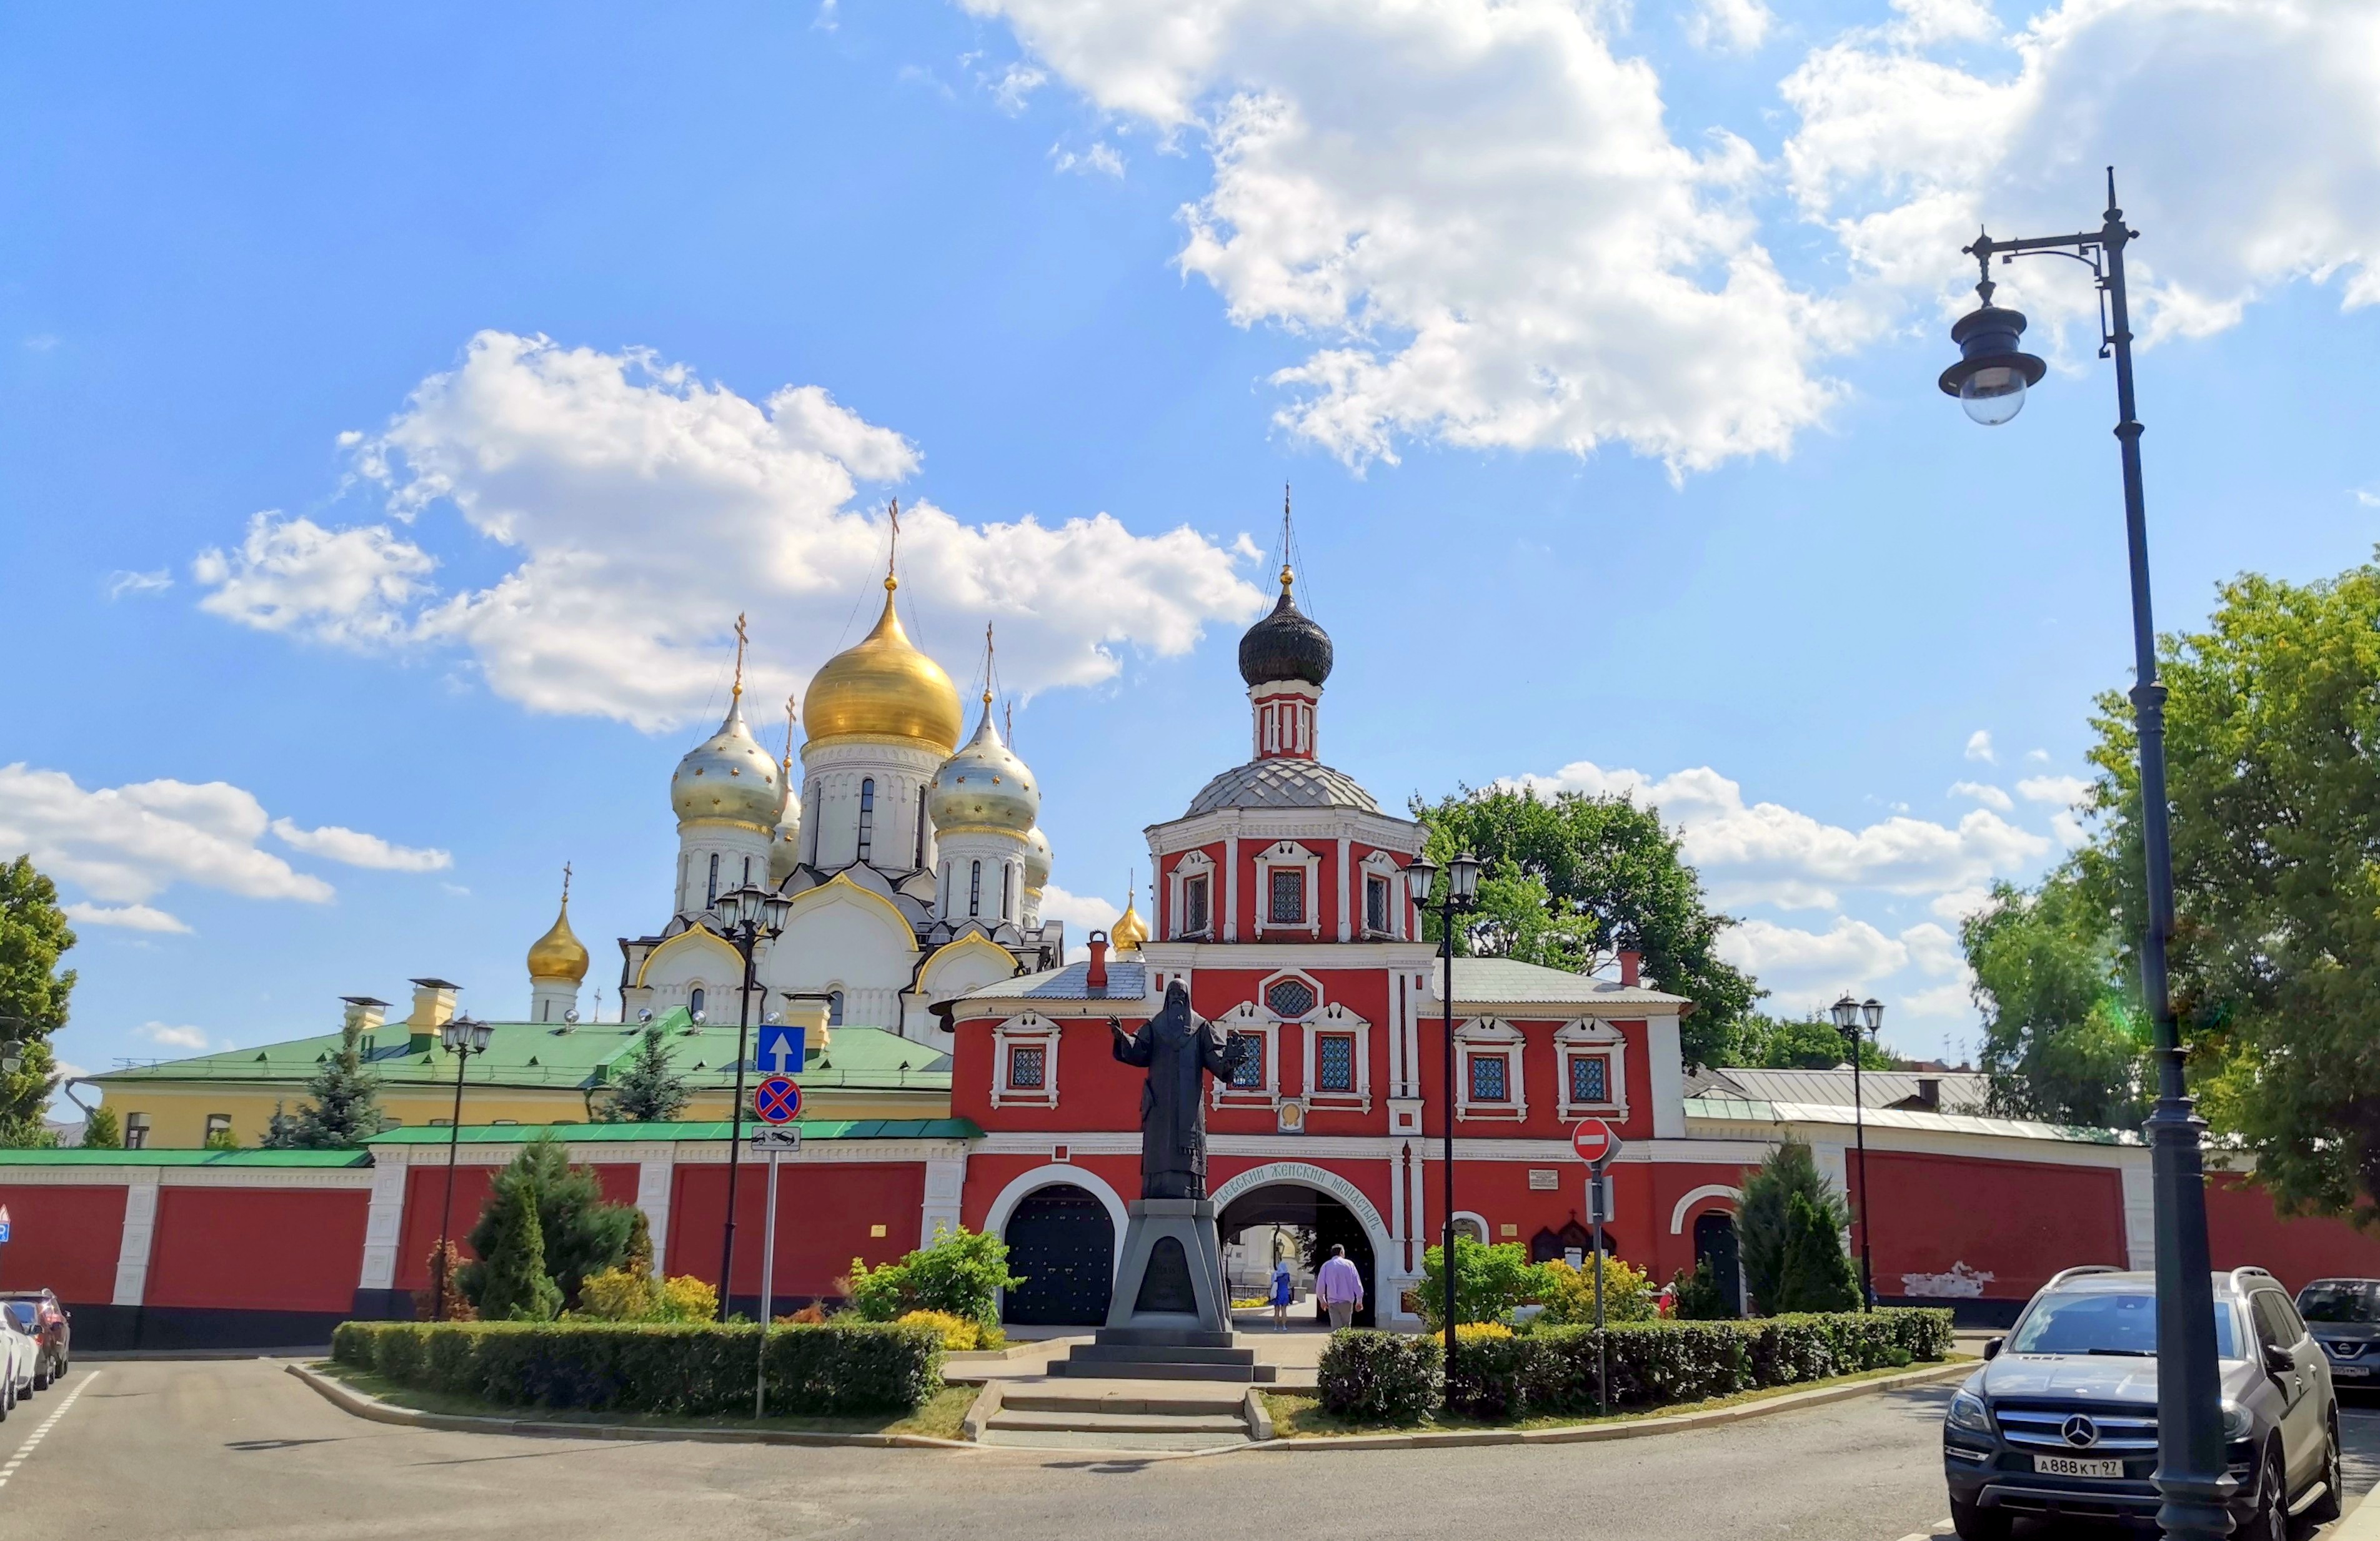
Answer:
[(1462, 889), (1990, 380), (464, 1037), (1853, 1017), (750, 916)]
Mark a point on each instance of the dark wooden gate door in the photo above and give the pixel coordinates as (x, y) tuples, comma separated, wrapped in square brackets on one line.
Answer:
[(1062, 1241), (1714, 1239)]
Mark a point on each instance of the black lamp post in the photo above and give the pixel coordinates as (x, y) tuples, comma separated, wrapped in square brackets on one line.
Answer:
[(464, 1037), (1989, 381), (1461, 890), (1851, 1018), (748, 917)]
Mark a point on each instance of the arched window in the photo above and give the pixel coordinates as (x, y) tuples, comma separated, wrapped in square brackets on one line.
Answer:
[(835, 1008), (867, 816), (710, 895), (975, 888), (747, 872), (920, 859), (1007, 883), (694, 1000)]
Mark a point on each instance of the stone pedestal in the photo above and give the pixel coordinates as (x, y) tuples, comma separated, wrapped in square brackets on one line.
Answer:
[(1171, 1276)]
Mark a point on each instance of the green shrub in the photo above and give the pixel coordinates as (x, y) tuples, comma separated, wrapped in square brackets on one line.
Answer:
[(1765, 1221), (1489, 1282), (578, 1231), (1485, 1381), (960, 1274), (1569, 1294), (1697, 1297), (697, 1369), (1387, 1377), (1817, 1273)]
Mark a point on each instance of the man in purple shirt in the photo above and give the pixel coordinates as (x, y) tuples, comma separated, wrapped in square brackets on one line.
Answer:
[(1339, 1288)]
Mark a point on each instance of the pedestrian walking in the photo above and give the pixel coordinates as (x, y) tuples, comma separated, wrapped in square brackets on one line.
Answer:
[(1339, 1288), (1282, 1291)]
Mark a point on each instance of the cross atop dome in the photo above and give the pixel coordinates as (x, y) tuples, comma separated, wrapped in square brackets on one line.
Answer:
[(1285, 658)]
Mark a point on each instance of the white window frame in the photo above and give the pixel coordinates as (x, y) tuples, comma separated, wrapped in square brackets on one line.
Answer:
[(1030, 1031), (1335, 1018), (1381, 864), (1589, 1036), (1289, 853), (1196, 864), (1486, 1034), (1249, 1018)]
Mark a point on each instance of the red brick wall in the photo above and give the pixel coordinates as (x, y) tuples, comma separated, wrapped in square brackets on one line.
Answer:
[(258, 1249), (64, 1238), (825, 1215), (2241, 1229), (2018, 1220)]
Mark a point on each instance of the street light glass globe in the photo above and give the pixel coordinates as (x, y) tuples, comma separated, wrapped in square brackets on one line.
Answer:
[(1992, 396)]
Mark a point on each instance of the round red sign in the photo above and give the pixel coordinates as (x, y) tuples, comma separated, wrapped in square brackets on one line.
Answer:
[(1594, 1141)]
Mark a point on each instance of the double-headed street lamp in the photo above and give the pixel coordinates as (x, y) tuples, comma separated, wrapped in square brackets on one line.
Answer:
[(464, 1037), (1851, 1018), (747, 916), (1461, 890), (1990, 380)]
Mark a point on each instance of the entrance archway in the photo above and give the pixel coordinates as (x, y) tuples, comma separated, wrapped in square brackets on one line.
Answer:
[(1714, 1240), (1320, 1217), (1061, 1242)]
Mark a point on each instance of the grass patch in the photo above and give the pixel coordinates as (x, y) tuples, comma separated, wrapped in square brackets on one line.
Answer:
[(1300, 1415), (938, 1419)]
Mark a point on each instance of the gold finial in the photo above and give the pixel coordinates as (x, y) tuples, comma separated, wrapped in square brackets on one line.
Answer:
[(987, 666), (566, 885), (740, 640), (1286, 575), (893, 552), (787, 764)]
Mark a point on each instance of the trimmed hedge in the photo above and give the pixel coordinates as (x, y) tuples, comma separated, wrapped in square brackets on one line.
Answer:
[(698, 1370), (1384, 1377), (1553, 1369)]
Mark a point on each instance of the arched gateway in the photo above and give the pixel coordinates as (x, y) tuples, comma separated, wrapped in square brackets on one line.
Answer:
[(1315, 1198)]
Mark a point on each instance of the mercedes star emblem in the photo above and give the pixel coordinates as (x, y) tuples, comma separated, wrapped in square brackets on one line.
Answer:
[(2080, 1432)]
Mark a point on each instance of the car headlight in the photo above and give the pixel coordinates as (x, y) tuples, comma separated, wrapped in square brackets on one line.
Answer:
[(1967, 1412), (2237, 1422)]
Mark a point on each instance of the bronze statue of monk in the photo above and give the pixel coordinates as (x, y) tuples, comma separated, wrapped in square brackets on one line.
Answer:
[(1179, 1050)]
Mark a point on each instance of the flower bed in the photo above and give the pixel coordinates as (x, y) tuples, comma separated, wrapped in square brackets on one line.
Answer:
[(698, 1370)]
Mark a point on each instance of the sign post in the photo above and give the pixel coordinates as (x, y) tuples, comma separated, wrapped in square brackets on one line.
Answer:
[(1597, 1143), (775, 1101)]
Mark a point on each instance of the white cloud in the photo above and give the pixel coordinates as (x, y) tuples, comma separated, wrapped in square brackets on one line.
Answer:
[(122, 583), (357, 849), (639, 509), (1016, 86), (2062, 790), (1475, 212), (131, 917), (1101, 158), (1985, 794), (2247, 133), (1729, 26), (1767, 853), (1083, 912), (1804, 969), (1959, 902), (2037, 757), (172, 1036), (1979, 747)]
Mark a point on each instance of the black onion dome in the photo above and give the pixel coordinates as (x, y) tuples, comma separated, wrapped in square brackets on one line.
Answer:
[(1285, 645)]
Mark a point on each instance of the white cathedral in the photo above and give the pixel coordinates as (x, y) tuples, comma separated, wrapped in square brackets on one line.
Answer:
[(915, 867)]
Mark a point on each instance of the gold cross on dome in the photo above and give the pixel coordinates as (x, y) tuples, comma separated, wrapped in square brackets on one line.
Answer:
[(741, 638)]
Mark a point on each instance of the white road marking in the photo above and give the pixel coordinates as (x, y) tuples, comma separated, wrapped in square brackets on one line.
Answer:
[(34, 1440)]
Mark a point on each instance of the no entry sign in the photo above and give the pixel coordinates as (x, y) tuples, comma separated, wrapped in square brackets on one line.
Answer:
[(1595, 1143)]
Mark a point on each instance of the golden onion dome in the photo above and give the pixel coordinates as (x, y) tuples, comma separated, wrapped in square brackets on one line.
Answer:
[(558, 955), (883, 687), (1128, 932), (729, 776), (984, 786), (1038, 860)]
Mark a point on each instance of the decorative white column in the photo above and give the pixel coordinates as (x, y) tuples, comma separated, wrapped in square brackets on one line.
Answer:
[(384, 1222), (139, 1231), (2139, 1214), (653, 1173), (945, 1180)]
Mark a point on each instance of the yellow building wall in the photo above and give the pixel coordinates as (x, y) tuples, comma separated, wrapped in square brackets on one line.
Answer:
[(178, 1112)]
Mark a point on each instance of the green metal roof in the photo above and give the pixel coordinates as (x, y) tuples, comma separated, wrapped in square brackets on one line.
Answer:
[(536, 1055), (79, 1158), (692, 1130)]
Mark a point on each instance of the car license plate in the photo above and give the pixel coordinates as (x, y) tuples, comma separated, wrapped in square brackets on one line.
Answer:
[(2350, 1369), (2067, 1465)]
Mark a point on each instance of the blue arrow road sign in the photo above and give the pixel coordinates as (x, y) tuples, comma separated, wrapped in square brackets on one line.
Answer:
[(781, 1049)]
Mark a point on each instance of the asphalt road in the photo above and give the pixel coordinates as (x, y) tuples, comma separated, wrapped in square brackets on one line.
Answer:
[(239, 1449)]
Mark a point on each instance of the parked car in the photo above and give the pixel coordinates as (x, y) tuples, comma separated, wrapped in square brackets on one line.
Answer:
[(2062, 1418), (39, 1313), (2345, 1315), (17, 1353)]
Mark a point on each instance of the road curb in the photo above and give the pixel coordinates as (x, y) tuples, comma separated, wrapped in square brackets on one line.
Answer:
[(348, 1399), (1634, 1429), (2363, 1522)]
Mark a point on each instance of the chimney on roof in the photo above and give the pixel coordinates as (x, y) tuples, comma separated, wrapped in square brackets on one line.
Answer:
[(1096, 976), (1929, 1093), (433, 1007), (1632, 964), (363, 1013)]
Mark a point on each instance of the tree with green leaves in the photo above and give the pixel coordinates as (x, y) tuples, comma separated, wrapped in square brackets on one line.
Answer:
[(510, 1282), (579, 1232), (1801, 1043), (33, 992), (346, 1107), (649, 1090), (1696, 1297), (2272, 771), (1817, 1273), (1777, 1250), (1571, 878), (101, 1131), (2064, 1039)]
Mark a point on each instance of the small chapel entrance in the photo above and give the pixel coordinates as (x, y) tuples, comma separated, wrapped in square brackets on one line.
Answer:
[(1322, 1223), (1062, 1241), (1714, 1240)]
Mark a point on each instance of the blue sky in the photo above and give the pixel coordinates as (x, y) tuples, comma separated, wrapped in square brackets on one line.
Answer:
[(398, 409)]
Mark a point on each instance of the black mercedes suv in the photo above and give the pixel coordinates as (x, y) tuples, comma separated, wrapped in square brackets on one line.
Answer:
[(2061, 1419)]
